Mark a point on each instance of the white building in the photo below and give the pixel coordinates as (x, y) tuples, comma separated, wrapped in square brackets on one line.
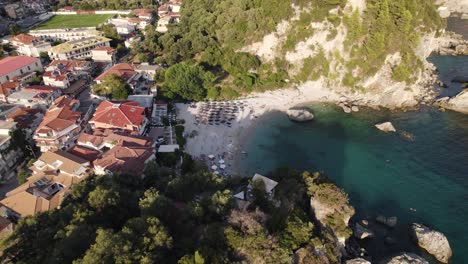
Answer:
[(62, 73), (103, 54), (8, 159), (132, 41), (122, 25), (29, 45), (21, 68), (65, 34), (146, 70), (78, 49), (165, 20), (37, 96)]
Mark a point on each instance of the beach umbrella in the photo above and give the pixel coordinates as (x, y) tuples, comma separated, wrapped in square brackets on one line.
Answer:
[(211, 156), (214, 167), (222, 166), (221, 161)]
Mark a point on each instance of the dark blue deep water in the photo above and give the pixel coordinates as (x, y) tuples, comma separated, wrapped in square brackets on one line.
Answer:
[(382, 173)]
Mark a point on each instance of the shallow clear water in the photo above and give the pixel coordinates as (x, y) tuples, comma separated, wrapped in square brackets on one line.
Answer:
[(383, 173)]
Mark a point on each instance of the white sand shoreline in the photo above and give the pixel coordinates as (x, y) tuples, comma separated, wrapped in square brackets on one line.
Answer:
[(216, 140)]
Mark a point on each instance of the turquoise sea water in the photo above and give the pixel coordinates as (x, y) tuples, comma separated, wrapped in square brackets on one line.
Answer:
[(383, 173)]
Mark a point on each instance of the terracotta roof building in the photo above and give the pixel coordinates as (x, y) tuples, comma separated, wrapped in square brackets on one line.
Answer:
[(54, 173), (21, 68), (39, 96), (8, 88), (29, 45), (28, 119), (62, 73), (125, 71), (119, 151), (61, 125), (124, 159), (124, 115), (143, 13)]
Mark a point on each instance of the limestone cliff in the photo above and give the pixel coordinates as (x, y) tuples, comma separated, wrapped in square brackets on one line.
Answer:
[(329, 41)]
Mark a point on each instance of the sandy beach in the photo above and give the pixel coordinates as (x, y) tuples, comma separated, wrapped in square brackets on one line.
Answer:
[(220, 139)]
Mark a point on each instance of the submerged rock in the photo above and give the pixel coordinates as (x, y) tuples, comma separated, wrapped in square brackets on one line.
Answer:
[(362, 232), (408, 258), (390, 241), (433, 242), (357, 261), (386, 127), (390, 221), (300, 115)]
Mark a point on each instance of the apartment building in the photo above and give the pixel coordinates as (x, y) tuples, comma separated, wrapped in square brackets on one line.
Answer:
[(62, 73), (9, 157), (61, 125), (65, 34), (54, 173), (19, 68), (78, 49), (29, 45), (125, 115)]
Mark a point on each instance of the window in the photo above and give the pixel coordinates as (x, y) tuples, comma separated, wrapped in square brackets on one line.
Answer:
[(29, 68), (21, 70)]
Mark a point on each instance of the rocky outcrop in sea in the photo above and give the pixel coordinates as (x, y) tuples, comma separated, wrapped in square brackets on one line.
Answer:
[(434, 242), (300, 115), (407, 258), (386, 127), (357, 261)]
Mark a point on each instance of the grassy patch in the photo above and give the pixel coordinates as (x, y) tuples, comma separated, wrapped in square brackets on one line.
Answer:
[(73, 21)]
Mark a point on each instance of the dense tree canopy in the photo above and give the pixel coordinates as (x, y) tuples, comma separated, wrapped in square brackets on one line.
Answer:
[(190, 82), (114, 87), (170, 218)]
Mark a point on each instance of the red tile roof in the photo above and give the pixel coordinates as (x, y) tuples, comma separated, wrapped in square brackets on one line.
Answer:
[(108, 49), (8, 87), (122, 70), (59, 116), (69, 65), (142, 12), (125, 159), (10, 64), (119, 114), (85, 153), (41, 88), (24, 38), (56, 75)]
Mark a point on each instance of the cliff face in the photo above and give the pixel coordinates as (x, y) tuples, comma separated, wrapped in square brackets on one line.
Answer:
[(453, 6), (329, 41)]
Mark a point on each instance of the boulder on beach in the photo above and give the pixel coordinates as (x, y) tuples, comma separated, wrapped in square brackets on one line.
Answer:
[(346, 109), (408, 258), (434, 242), (355, 108), (362, 232), (300, 115), (357, 261), (386, 127)]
